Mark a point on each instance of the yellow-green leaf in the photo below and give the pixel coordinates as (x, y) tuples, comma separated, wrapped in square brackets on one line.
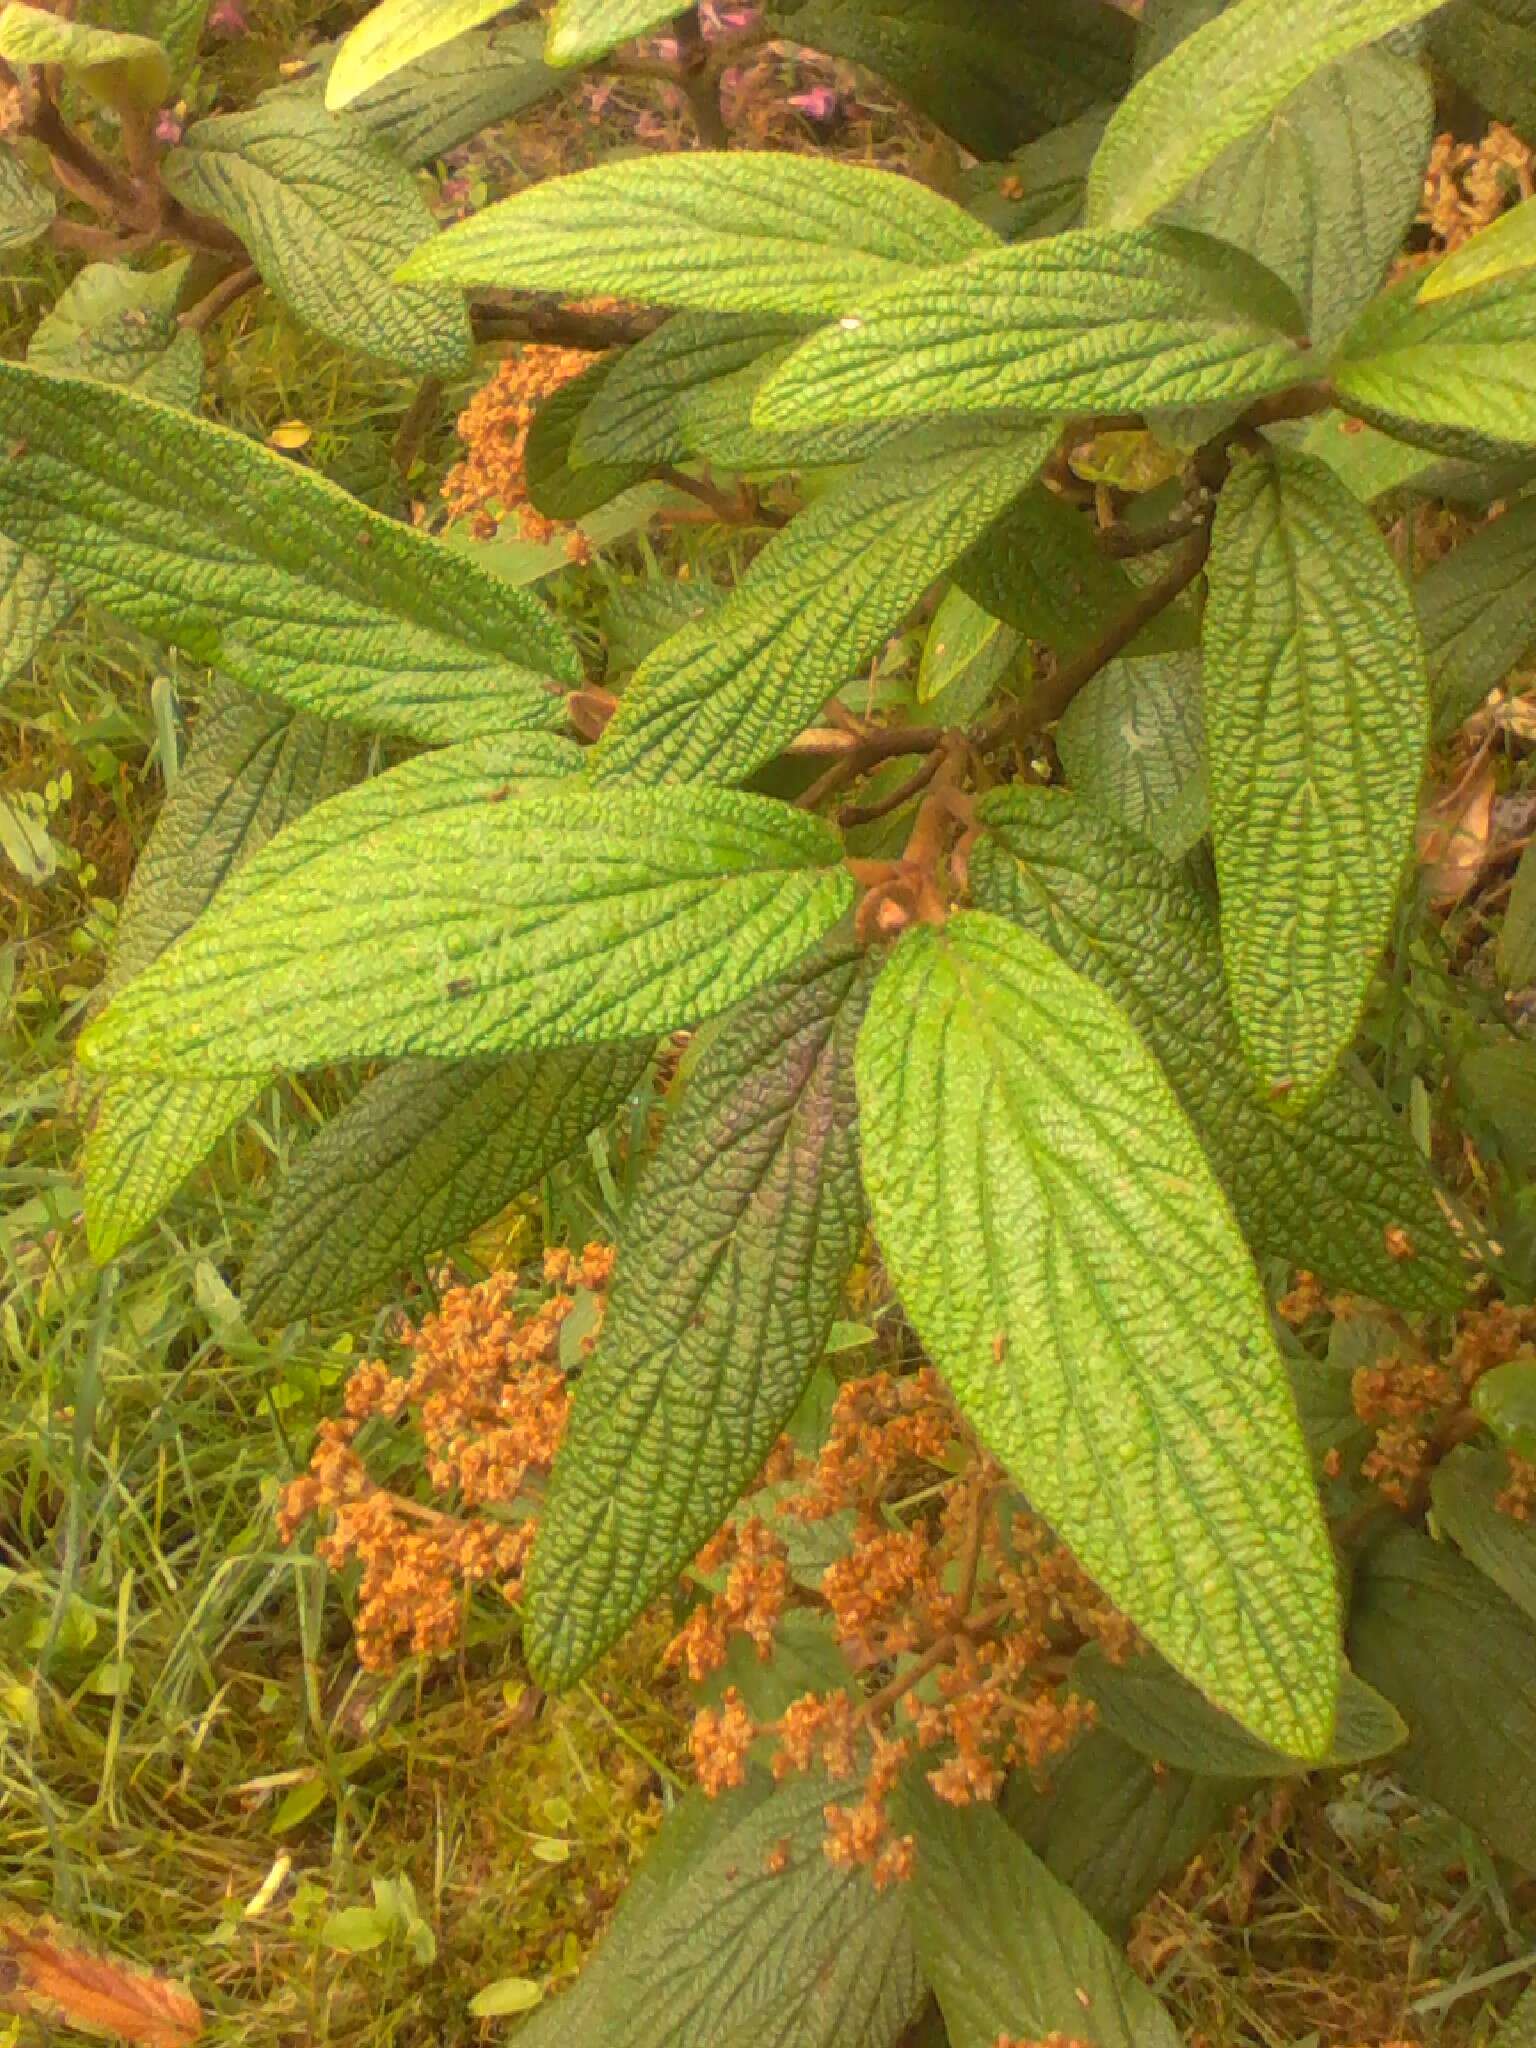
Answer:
[(394, 34), (122, 70)]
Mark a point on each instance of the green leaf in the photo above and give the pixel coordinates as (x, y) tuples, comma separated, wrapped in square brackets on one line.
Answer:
[(259, 568), (176, 25), (967, 650), (34, 602), (329, 214), (124, 71), (1115, 1827), (1464, 1491), (27, 206), (1507, 245), (1453, 374), (1132, 743), (722, 232), (506, 1996), (1148, 1705), (992, 73), (1039, 189), (1218, 85), (1111, 1343), (554, 487), (582, 30), (710, 1950), (119, 326), (1519, 2030), (1077, 323), (718, 425), (638, 413), (1038, 567), (1007, 1948), (722, 697), (357, 1930), (1325, 191), (421, 914), (1457, 1659), (1517, 935), (1321, 1190), (427, 1152), (731, 1269), (1489, 48), (1477, 611), (394, 34), (252, 768), (1497, 1084), (456, 90), (1317, 722)]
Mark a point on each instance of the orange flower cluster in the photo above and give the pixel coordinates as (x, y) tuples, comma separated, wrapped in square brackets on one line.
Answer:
[(487, 1401), (1417, 1406), (1469, 184), (490, 484), (967, 1604), (1518, 1498), (1046, 2041)]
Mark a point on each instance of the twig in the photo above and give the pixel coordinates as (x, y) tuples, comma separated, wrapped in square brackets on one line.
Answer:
[(523, 316), (879, 745), (699, 83), (413, 428), (866, 814), (199, 318), (970, 1628), (729, 511)]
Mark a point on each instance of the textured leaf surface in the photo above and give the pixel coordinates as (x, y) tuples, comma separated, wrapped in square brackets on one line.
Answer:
[(123, 70), (1477, 612), (1460, 365), (724, 696), (252, 768), (176, 25), (992, 73), (449, 95), (1517, 934), (1007, 1948), (1506, 245), (1519, 2030), (581, 30), (731, 1267), (1039, 189), (328, 214), (119, 326), (196, 535), (1317, 718), (555, 488), (1133, 744), (1148, 1705), (727, 232), (1321, 1190), (394, 34), (1078, 322), (1489, 48), (1457, 1659), (423, 915), (1465, 1492), (718, 425), (1114, 1827), (1110, 1341), (1038, 567), (639, 413), (711, 1950), (1219, 84), (966, 654), (34, 600), (1324, 191), (27, 206), (426, 1153)]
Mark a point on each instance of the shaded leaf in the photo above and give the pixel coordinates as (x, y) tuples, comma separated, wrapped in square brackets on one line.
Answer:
[(120, 327), (1133, 743), (1111, 1344), (1489, 48), (638, 412), (456, 90), (1316, 718), (1517, 934), (27, 205), (429, 1151), (122, 70), (34, 602), (732, 1263), (1039, 190), (554, 487), (1477, 612), (196, 535), (1465, 1492)]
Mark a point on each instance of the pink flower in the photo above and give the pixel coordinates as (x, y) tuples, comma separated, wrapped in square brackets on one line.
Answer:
[(821, 104), (169, 127), (227, 18)]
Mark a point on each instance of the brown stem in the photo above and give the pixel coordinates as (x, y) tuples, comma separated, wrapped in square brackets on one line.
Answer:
[(416, 424), (728, 511), (699, 83), (199, 318), (78, 167), (879, 745), (866, 814), (523, 316), (973, 1626), (1123, 541)]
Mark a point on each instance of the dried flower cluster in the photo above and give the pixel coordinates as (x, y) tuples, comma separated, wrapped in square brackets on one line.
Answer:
[(490, 483), (1469, 184), (1418, 1406), (942, 1585), (1518, 1497), (487, 1401)]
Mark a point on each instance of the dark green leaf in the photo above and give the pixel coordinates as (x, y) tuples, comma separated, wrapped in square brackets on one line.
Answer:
[(1148, 1705), (1465, 1491), (554, 487), (1110, 1343), (637, 413), (1317, 727), (426, 1153), (1133, 744), (265, 571), (329, 214), (1477, 610), (1038, 190), (1457, 1659), (1007, 1948), (1517, 935), (992, 73), (731, 1269), (1322, 1190), (1489, 48), (724, 696), (452, 93), (1113, 1826)]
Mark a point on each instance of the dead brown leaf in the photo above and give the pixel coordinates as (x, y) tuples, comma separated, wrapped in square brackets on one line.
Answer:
[(1456, 834), (46, 1974)]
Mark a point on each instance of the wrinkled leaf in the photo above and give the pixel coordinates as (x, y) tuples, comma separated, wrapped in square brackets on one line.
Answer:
[(1507, 244), (1453, 374), (119, 326), (124, 71), (1133, 743), (394, 34), (1465, 1492), (582, 30), (1477, 611), (27, 205)]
